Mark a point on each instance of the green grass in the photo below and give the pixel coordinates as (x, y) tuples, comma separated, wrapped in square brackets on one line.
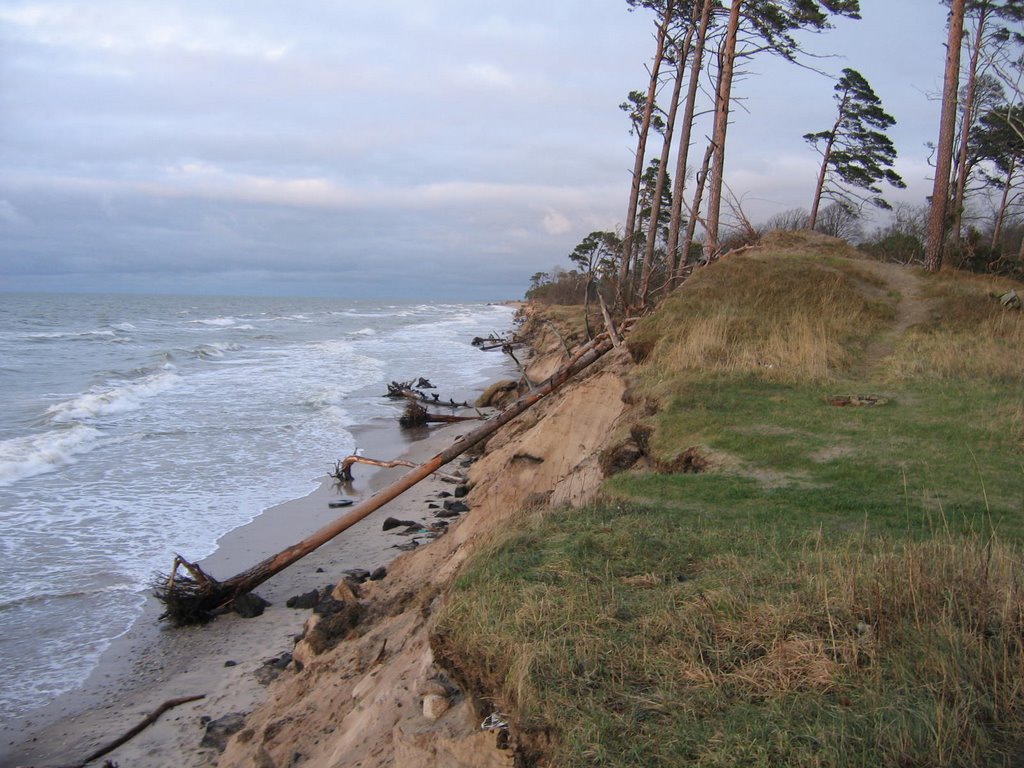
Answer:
[(843, 587)]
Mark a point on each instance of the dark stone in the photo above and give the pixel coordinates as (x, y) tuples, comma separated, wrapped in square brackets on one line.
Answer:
[(444, 495), (220, 730), (230, 663), (447, 513), (249, 605), (307, 600), (319, 570), (359, 575), (378, 573), (456, 506), (392, 522), (283, 661), (461, 490)]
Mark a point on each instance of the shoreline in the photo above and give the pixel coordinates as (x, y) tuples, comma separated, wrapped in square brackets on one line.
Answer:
[(152, 663)]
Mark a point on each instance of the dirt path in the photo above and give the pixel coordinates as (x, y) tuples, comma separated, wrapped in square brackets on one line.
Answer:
[(912, 308)]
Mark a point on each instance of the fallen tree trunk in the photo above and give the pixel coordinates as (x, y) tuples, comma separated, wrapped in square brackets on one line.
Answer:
[(192, 599), (416, 415)]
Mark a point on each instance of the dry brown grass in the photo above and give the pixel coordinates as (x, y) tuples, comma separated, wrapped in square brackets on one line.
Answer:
[(781, 317), (971, 336)]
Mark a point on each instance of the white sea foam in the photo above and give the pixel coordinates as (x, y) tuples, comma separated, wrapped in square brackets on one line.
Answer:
[(217, 322), (23, 457), (97, 335), (106, 401)]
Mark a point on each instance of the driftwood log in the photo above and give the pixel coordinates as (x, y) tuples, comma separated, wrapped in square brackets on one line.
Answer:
[(343, 469), (193, 598), (151, 718)]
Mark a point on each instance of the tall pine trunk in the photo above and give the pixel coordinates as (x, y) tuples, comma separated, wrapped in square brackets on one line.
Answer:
[(698, 197), (826, 155), (682, 154), (727, 63), (937, 218), (638, 165), (967, 123), (682, 52)]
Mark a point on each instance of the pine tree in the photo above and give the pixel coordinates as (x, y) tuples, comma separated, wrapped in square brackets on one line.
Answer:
[(856, 155)]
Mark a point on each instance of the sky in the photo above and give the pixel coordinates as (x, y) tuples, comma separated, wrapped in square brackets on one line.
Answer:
[(417, 149)]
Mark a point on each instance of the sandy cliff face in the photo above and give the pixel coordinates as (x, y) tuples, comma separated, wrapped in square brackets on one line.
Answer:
[(378, 698)]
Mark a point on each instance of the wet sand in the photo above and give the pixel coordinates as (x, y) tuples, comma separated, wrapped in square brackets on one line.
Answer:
[(153, 663)]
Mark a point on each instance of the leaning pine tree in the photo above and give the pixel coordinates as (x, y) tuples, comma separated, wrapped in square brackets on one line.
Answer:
[(856, 155)]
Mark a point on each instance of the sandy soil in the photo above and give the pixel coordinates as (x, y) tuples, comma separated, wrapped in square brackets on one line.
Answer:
[(153, 663)]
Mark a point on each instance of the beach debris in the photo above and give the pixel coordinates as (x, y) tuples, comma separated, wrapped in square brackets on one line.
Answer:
[(194, 597), (494, 722), (250, 605), (151, 718), (220, 730), (1010, 300), (340, 503), (457, 507), (856, 400)]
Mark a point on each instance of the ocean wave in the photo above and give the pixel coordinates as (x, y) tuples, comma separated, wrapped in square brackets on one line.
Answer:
[(112, 400), (97, 335), (216, 322), (23, 457), (44, 596), (215, 349)]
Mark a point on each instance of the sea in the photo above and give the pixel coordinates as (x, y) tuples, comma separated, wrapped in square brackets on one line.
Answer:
[(136, 427)]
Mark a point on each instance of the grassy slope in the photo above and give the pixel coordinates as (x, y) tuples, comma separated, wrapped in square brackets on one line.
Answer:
[(842, 587)]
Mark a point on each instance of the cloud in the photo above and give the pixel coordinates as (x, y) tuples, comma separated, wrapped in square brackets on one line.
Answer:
[(556, 224), (9, 214), (127, 28)]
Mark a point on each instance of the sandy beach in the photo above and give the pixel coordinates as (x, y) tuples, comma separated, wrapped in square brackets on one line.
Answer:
[(226, 660)]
